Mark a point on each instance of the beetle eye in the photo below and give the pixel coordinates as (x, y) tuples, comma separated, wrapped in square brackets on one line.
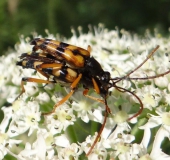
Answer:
[(105, 77)]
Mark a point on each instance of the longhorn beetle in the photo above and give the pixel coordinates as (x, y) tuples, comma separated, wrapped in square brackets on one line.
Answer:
[(67, 64)]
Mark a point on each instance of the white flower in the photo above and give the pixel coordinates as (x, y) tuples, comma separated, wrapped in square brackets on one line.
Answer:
[(162, 119), (72, 151), (28, 153), (40, 146), (85, 106), (98, 152), (6, 142), (27, 117), (120, 117), (43, 97), (121, 143), (150, 96), (60, 120)]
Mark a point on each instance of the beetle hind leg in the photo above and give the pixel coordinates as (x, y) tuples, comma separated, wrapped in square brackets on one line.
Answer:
[(29, 79)]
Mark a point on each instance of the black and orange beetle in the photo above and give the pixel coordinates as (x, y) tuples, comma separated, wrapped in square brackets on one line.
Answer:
[(68, 64)]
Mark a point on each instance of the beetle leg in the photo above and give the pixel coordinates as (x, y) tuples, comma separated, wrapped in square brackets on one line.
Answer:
[(73, 87), (85, 93), (28, 79), (98, 135), (107, 111), (96, 88), (89, 48)]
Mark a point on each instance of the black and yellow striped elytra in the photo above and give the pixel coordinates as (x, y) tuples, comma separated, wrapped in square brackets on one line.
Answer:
[(73, 55)]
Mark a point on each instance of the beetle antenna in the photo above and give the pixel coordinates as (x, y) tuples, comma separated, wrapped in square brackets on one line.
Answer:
[(101, 129), (150, 77), (127, 75)]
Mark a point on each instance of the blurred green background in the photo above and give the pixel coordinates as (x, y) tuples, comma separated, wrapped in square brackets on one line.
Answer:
[(25, 16)]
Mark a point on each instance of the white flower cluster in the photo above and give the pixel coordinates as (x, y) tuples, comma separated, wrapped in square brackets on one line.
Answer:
[(27, 135)]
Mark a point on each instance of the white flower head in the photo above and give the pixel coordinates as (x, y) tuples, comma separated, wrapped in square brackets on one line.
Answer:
[(60, 120), (98, 152), (85, 106), (71, 151), (150, 96)]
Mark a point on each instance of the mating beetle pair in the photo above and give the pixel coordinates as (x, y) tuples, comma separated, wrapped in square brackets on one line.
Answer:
[(67, 64)]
